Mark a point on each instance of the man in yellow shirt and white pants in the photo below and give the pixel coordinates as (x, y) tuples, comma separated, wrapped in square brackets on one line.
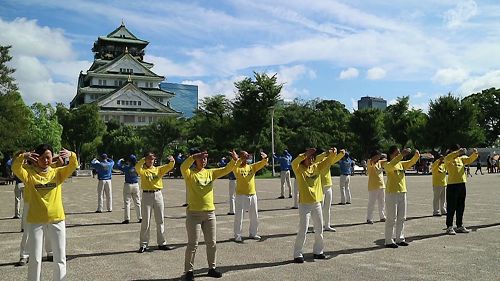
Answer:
[(438, 169), (376, 186)]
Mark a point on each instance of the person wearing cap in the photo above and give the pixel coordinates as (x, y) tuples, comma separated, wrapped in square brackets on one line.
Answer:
[(346, 165), (246, 196), (308, 175), (104, 168), (438, 169), (152, 199), (232, 186), (326, 183), (376, 186), (285, 167), (130, 188), (200, 213), (456, 192), (395, 194)]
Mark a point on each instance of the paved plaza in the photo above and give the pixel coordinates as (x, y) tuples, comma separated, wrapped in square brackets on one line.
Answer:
[(99, 247)]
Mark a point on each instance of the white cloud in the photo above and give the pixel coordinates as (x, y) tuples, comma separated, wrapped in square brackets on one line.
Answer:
[(447, 76), (222, 86), (375, 73), (289, 75), (166, 67), (349, 73), (418, 95), (479, 83), (463, 11)]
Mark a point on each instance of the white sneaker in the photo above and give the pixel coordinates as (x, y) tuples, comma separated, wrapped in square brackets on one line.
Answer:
[(462, 229), (255, 237), (329, 228), (450, 231), (238, 239)]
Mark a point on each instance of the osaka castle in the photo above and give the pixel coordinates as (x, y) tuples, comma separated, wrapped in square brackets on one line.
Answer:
[(121, 83)]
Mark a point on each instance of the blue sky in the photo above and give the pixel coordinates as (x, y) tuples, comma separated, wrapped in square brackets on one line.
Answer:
[(340, 50)]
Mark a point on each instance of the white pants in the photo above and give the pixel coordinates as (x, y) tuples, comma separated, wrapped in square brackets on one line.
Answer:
[(56, 232), (295, 194), (23, 249), (327, 203), (131, 192), (305, 212), (232, 189), (246, 202), (345, 190), (376, 195), (285, 180), (439, 200), (18, 197), (395, 206), (104, 189), (152, 202)]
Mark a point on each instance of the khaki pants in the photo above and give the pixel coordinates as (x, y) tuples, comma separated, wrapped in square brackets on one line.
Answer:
[(373, 196), (232, 191), (131, 193), (326, 205), (345, 189), (152, 202), (285, 180), (18, 196), (104, 189), (205, 221), (439, 200)]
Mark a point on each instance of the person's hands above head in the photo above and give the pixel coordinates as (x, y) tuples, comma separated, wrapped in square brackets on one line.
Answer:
[(263, 155), (310, 152), (474, 150), (234, 155), (406, 151), (200, 155), (31, 157), (417, 152), (463, 151), (332, 150), (170, 158), (64, 153)]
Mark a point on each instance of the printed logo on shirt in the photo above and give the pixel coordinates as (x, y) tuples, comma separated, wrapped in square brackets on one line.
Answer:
[(204, 182), (49, 185), (153, 177)]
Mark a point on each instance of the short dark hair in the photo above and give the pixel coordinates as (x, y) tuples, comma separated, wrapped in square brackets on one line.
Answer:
[(391, 151), (454, 147), (375, 153), (147, 153), (40, 149), (194, 150)]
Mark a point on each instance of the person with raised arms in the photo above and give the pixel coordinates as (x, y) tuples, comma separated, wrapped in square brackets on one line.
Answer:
[(131, 189), (200, 213), (438, 169), (285, 167), (376, 186), (104, 169)]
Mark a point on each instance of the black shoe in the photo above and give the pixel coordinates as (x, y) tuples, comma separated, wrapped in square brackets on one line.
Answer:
[(98, 211), (298, 260), (281, 197), (125, 222), (22, 262), (15, 217), (189, 276), (319, 256), (341, 203), (290, 196), (212, 272), (50, 258), (393, 245), (109, 211), (165, 247), (348, 203), (139, 221), (294, 207), (22, 229), (403, 243), (143, 249), (185, 205), (230, 214)]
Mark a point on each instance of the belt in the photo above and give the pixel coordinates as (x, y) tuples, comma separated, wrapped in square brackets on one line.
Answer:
[(151, 191)]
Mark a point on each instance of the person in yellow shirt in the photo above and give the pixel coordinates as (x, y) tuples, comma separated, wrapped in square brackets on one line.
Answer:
[(246, 197), (438, 169), (456, 192), (376, 186), (152, 199), (326, 183), (308, 176), (44, 187), (200, 212), (395, 194)]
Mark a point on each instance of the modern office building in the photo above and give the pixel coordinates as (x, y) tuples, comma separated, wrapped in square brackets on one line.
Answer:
[(185, 99), (121, 83), (372, 102)]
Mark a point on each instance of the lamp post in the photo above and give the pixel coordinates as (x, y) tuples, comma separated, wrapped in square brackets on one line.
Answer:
[(272, 139)]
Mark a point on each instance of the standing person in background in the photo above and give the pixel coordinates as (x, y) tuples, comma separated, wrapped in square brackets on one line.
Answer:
[(246, 196), (232, 185), (346, 169), (326, 183), (44, 186), (376, 186), (285, 161), (18, 192), (152, 199), (456, 192), (104, 169), (478, 166), (131, 189), (200, 213), (395, 194), (438, 169)]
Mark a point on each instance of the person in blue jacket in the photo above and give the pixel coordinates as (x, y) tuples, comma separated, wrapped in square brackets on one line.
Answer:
[(346, 168), (131, 189), (285, 161), (104, 168)]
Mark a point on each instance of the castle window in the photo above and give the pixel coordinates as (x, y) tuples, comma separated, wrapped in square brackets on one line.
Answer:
[(116, 82), (118, 102), (139, 103), (134, 102)]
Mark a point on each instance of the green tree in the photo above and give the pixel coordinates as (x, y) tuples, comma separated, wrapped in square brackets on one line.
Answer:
[(121, 141), (368, 127), (488, 104), (397, 121), (44, 127), (7, 82), (416, 129), (159, 134)]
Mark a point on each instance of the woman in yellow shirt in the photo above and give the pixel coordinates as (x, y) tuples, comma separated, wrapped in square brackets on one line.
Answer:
[(200, 213), (44, 186), (395, 194), (376, 186), (438, 169)]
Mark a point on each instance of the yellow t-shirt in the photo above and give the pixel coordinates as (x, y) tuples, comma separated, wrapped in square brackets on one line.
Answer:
[(152, 178), (395, 169), (245, 177), (438, 174), (375, 175), (199, 184), (44, 189), (455, 165), (326, 175), (309, 178)]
